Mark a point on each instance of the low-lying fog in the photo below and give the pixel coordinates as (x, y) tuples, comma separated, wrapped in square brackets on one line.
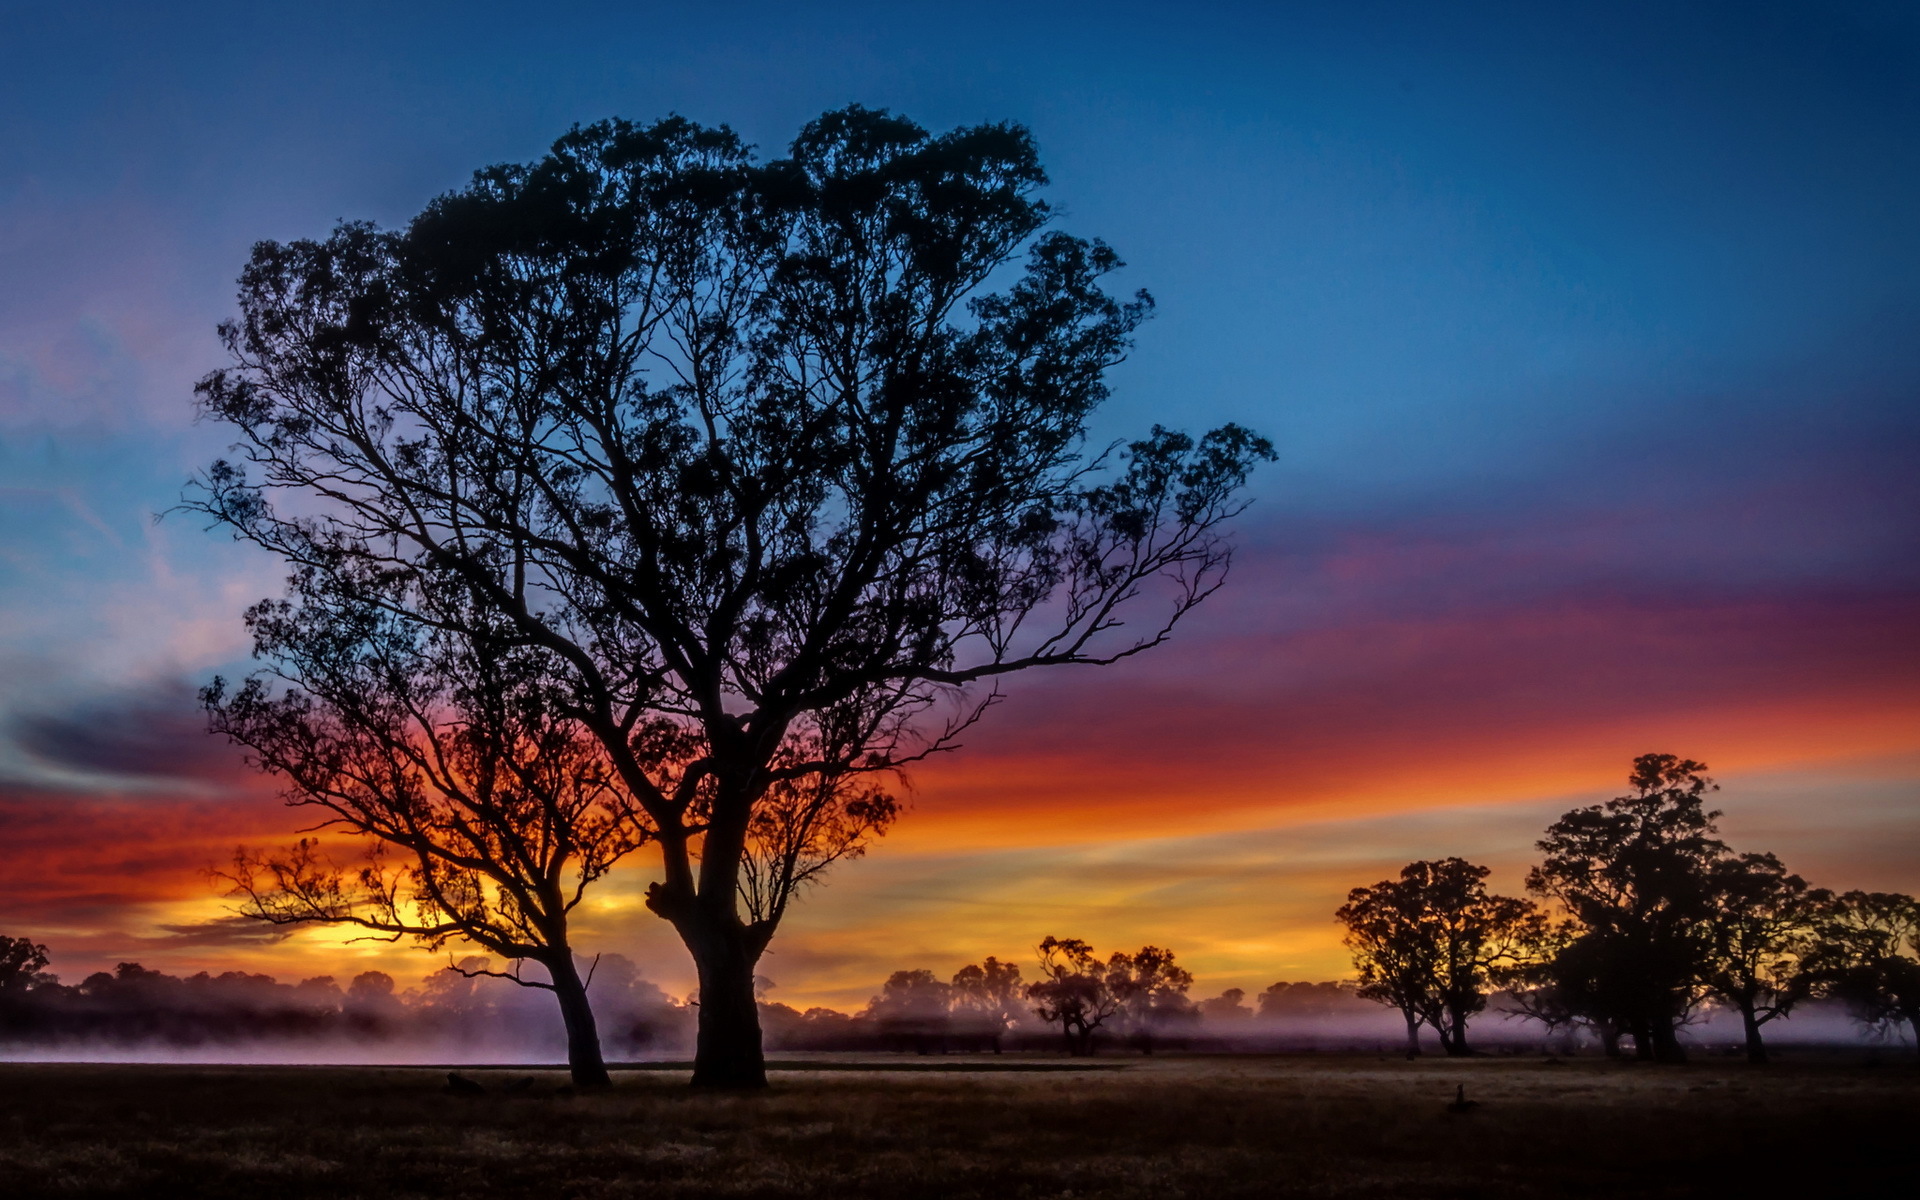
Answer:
[(135, 1015)]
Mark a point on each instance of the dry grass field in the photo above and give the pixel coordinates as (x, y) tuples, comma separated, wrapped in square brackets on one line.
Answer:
[(1173, 1127)]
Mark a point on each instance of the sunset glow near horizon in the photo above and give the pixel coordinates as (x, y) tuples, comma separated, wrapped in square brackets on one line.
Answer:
[(1589, 339)]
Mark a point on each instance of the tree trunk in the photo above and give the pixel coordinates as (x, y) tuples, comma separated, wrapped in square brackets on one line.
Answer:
[(1453, 1039), (727, 1050), (1756, 1049), (1609, 1039), (1666, 1043), (1642, 1039), (589, 1070), (728, 1053), (1413, 1035)]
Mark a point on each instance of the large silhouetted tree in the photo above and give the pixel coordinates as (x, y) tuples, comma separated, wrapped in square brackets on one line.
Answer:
[(772, 462), (1432, 942), (1636, 877), (415, 720)]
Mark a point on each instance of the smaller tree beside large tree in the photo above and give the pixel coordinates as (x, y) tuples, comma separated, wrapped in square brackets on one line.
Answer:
[(1433, 944), (435, 738), (1867, 953), (1760, 925)]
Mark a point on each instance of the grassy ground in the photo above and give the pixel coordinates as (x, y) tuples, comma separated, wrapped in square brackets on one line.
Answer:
[(1212, 1127)]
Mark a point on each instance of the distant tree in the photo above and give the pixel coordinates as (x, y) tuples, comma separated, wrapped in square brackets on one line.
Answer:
[(370, 1004), (21, 976), (1073, 992), (1432, 943), (1760, 926), (430, 732), (749, 452), (21, 963), (913, 1008), (1226, 1007), (1292, 1001), (987, 998), (1867, 952), (1636, 876), (1150, 991)]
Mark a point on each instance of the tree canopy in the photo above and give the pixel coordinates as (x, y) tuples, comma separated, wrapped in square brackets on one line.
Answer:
[(1433, 942), (1634, 874), (767, 462)]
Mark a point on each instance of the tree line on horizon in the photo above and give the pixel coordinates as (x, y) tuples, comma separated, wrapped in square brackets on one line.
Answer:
[(1647, 917), (1137, 997), (133, 1005)]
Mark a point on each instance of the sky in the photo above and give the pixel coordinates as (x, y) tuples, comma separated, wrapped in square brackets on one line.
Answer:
[(1588, 335)]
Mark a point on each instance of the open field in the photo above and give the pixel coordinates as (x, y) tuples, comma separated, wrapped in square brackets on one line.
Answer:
[(1213, 1127)]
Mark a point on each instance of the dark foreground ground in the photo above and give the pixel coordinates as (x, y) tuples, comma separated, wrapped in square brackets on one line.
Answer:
[(1202, 1127)]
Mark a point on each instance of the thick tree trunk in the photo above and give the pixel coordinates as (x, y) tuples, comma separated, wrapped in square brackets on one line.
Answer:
[(589, 1070), (1666, 1043), (1756, 1049), (728, 1053), (1453, 1039), (727, 1050), (1413, 1035)]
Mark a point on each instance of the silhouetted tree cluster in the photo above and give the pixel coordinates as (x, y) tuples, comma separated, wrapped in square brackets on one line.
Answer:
[(1865, 951), (1141, 1001), (1140, 994), (1433, 942), (975, 1009), (652, 492), (1653, 917), (1308, 1001), (133, 1005)]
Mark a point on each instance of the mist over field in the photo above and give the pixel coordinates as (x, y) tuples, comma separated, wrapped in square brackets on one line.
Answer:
[(140, 1016)]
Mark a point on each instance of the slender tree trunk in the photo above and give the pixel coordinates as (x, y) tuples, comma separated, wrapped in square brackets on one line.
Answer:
[(588, 1069), (1756, 1049), (1413, 1034)]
